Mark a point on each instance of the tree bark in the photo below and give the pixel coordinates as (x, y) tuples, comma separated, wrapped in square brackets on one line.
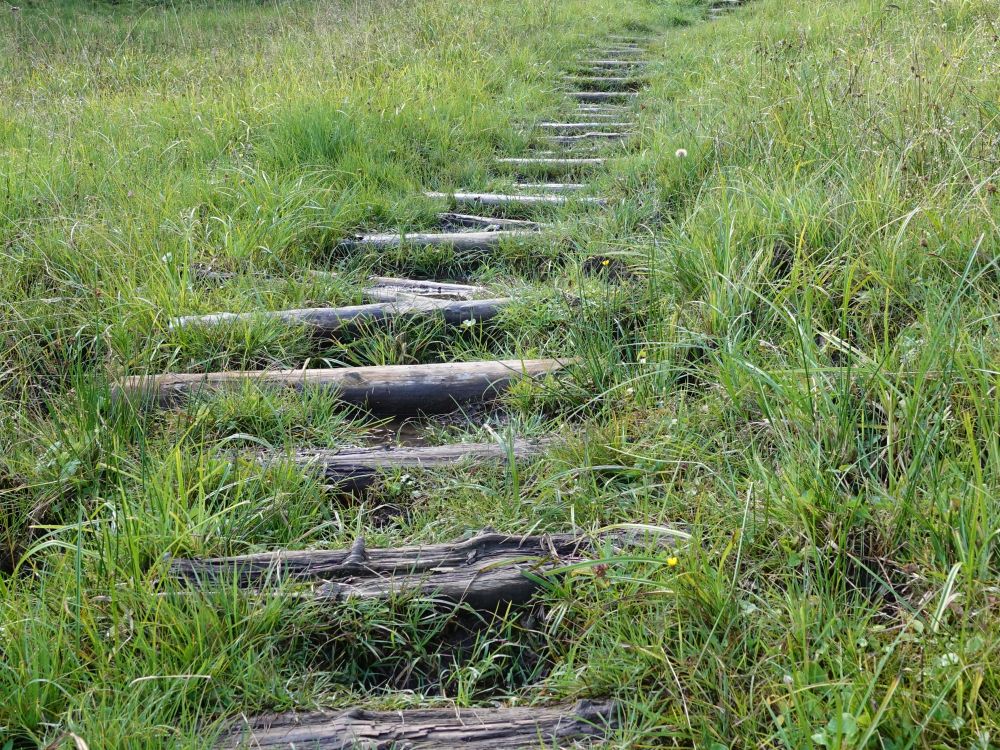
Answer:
[(576, 127), (354, 470), (393, 389), (521, 728), (460, 241), (606, 83), (489, 223), (602, 96), (484, 572), (496, 199), (330, 321)]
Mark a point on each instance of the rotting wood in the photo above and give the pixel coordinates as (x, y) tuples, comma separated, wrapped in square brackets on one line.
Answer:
[(482, 572), (519, 728), (486, 222), (426, 288), (554, 187), (341, 320), (609, 63), (576, 127), (459, 241), (392, 389), (497, 199), (570, 140), (564, 163), (355, 469), (607, 83)]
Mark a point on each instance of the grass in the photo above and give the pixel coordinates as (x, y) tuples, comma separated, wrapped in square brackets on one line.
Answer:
[(792, 354)]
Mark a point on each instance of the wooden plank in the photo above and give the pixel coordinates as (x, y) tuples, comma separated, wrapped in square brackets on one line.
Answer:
[(483, 572), (555, 187), (572, 140), (392, 389), (613, 63), (460, 241), (424, 288), (341, 320), (498, 199), (355, 469), (586, 126), (605, 83), (518, 728), (553, 163)]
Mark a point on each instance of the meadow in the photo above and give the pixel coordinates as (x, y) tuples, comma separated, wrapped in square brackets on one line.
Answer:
[(786, 323)]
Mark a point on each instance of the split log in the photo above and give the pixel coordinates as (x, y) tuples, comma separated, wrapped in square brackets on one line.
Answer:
[(354, 470), (387, 285), (392, 389), (460, 241), (572, 140), (519, 728), (497, 199), (566, 164), (609, 63), (329, 321), (555, 187), (575, 127), (483, 572), (606, 83), (489, 223), (603, 96)]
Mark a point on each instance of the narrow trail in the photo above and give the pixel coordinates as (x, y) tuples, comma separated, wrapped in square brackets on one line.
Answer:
[(489, 572)]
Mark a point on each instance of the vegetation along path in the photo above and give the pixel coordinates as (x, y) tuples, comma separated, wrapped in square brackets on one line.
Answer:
[(547, 373)]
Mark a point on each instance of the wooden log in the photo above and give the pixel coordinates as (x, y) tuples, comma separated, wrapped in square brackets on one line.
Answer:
[(354, 470), (606, 83), (572, 140), (392, 389), (518, 728), (555, 187), (460, 241), (486, 222), (329, 321), (577, 127), (613, 63), (603, 96), (497, 199), (565, 164), (425, 288), (483, 572)]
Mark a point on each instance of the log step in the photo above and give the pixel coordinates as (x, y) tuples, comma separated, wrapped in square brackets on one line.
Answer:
[(552, 163), (603, 96), (613, 63), (519, 728), (331, 321), (499, 199), (572, 140), (606, 83), (555, 187), (391, 389), (382, 286), (483, 572), (489, 223), (576, 127), (354, 470), (461, 241)]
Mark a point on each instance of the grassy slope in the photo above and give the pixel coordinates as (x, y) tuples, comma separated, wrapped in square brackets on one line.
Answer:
[(801, 372)]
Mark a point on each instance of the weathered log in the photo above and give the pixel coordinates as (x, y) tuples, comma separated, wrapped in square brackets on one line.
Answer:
[(616, 63), (488, 223), (460, 241), (606, 83), (555, 187), (576, 127), (393, 389), (497, 199), (603, 96), (572, 140), (354, 470), (519, 728), (328, 321), (482, 572), (424, 288), (565, 164)]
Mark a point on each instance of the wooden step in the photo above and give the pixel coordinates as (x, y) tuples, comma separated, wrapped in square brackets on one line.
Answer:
[(489, 223), (460, 241), (603, 96), (612, 63), (519, 728), (499, 199), (555, 187), (576, 127), (387, 285), (330, 321), (355, 469), (572, 140), (392, 389), (605, 83), (483, 572), (551, 163)]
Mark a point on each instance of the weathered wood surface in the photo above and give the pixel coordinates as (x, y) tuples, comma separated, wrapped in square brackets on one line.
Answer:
[(486, 222), (554, 187), (354, 470), (576, 127), (551, 163), (462, 241), (521, 728), (606, 83), (424, 288), (482, 572), (603, 96), (571, 140), (613, 63), (393, 389), (498, 199), (328, 321)]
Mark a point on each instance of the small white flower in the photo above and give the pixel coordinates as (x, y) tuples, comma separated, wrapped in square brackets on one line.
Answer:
[(167, 258), (468, 323), (681, 153)]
